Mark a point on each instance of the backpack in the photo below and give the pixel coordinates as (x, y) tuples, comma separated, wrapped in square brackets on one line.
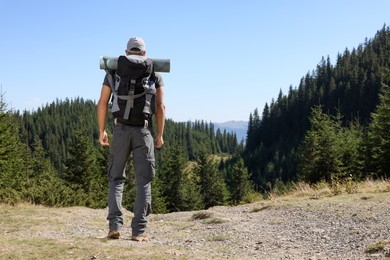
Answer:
[(133, 90)]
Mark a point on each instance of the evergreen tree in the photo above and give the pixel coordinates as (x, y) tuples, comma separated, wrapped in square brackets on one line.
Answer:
[(177, 186), (351, 146), (238, 182), (211, 181), (171, 176), (12, 155), (44, 186), (82, 170), (189, 192), (330, 150), (319, 158), (379, 136)]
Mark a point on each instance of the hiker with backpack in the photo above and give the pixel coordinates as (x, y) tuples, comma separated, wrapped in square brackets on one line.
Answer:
[(136, 92)]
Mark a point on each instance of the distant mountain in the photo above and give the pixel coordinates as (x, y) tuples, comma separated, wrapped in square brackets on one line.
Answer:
[(239, 127)]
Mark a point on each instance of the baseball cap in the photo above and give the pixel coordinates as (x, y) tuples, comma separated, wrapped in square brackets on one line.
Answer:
[(136, 42)]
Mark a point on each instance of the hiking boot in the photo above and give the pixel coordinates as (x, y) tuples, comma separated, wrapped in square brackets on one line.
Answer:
[(113, 234), (140, 238)]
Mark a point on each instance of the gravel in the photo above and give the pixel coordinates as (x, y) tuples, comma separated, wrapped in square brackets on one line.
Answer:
[(339, 227)]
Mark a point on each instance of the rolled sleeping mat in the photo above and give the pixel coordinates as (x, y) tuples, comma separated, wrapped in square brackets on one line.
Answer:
[(160, 65)]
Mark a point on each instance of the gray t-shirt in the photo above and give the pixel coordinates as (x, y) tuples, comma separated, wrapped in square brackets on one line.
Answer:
[(159, 80)]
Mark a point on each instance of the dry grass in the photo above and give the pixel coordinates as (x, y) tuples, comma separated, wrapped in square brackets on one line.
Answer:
[(202, 215), (370, 186), (261, 208), (378, 246), (36, 232), (322, 189), (214, 221)]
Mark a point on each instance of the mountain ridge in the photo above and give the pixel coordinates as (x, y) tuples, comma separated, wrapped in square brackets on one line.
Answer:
[(239, 127)]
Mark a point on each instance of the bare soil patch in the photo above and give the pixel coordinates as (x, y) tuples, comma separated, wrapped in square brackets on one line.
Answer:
[(355, 226)]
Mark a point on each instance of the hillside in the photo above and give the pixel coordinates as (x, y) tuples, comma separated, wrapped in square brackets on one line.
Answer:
[(238, 127), (351, 90), (354, 226)]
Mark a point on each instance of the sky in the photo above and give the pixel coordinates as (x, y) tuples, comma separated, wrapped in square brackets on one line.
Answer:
[(227, 57)]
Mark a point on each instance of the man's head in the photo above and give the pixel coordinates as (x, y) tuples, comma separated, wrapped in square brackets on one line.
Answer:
[(136, 46)]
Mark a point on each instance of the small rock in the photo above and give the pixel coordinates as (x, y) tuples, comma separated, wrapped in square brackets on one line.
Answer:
[(387, 251)]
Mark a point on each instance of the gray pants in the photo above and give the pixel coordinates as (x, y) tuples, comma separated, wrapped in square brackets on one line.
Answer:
[(139, 140)]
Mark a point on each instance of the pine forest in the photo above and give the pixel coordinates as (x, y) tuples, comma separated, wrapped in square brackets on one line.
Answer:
[(333, 127)]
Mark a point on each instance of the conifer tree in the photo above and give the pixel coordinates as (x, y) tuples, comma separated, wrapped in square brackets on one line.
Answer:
[(238, 182), (211, 181), (190, 197), (44, 186), (177, 186), (379, 136), (170, 172), (12, 167), (319, 158), (351, 146), (82, 170)]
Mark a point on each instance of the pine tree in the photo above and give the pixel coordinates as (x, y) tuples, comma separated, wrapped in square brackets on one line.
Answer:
[(379, 136), (177, 186), (170, 174), (330, 150), (189, 192), (238, 182), (319, 158), (82, 169), (351, 146), (44, 186), (12, 152), (211, 181)]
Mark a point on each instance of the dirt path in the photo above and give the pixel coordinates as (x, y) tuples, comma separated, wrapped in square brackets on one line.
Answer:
[(340, 227)]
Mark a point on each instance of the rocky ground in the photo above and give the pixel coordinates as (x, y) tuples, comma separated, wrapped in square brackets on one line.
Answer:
[(353, 226)]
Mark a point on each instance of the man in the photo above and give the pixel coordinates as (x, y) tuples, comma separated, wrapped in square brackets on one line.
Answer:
[(136, 139)]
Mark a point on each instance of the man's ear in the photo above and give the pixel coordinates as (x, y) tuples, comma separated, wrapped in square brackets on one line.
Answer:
[(127, 53)]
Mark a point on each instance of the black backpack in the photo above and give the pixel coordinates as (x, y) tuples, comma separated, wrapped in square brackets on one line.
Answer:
[(133, 90)]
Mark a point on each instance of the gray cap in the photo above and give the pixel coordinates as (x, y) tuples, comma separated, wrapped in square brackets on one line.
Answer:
[(136, 42)]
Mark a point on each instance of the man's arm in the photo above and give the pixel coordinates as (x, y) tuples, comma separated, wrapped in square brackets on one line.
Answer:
[(102, 108), (160, 116)]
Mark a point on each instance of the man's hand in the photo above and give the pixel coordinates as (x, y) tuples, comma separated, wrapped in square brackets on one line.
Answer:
[(159, 141), (103, 138)]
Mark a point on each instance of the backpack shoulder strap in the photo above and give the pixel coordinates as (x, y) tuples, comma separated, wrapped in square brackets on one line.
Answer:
[(110, 77)]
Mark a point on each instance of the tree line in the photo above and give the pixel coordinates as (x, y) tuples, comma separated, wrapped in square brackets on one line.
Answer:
[(335, 124), (51, 156)]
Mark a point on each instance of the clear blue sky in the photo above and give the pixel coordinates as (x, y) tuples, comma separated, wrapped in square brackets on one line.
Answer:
[(227, 57)]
